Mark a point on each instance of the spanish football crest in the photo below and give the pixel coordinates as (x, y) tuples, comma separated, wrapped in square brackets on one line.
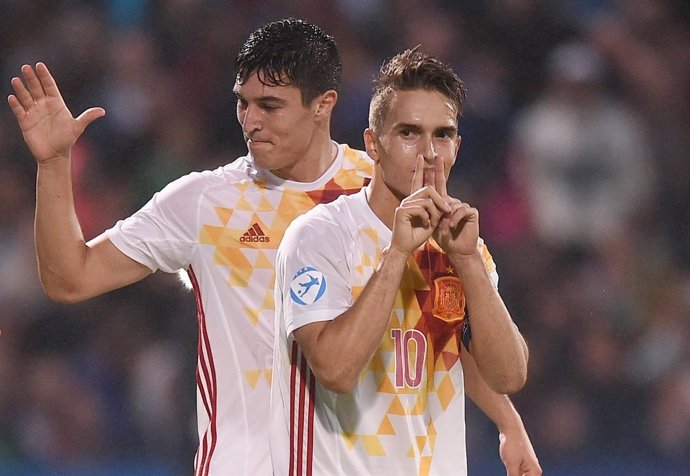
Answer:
[(449, 299)]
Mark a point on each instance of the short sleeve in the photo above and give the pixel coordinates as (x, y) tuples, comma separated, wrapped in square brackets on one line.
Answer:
[(489, 263), (164, 232), (312, 282)]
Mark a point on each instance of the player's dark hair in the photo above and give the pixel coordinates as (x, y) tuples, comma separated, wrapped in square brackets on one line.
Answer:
[(411, 70), (291, 52)]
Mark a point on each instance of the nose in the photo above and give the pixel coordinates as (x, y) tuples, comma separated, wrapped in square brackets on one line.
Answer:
[(250, 120), (428, 150)]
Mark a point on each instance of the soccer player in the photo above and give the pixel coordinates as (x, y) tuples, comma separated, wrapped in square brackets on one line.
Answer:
[(387, 305), (222, 226)]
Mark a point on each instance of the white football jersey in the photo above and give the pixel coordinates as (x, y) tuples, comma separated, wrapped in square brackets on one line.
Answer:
[(406, 414), (223, 227)]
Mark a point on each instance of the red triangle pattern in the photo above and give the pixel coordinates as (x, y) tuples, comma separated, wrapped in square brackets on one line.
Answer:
[(434, 264)]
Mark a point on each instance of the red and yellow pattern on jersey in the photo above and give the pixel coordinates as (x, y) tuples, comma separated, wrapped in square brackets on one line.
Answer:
[(224, 227), (406, 414)]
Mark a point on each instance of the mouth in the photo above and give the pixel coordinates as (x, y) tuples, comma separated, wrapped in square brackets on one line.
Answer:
[(257, 143)]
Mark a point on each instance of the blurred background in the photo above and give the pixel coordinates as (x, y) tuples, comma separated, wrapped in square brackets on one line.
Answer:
[(575, 149)]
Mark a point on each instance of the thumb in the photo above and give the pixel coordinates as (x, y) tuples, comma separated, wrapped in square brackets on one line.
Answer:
[(88, 116)]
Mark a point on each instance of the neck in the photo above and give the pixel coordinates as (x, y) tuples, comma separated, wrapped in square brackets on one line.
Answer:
[(318, 157)]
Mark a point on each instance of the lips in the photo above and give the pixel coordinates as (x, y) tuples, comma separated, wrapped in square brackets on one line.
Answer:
[(255, 140)]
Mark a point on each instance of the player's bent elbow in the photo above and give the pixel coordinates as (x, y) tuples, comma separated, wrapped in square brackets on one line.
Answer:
[(508, 383), (336, 381), (338, 386), (62, 293)]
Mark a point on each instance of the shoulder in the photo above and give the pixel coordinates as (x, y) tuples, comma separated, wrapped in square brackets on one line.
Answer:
[(196, 183), (324, 224), (357, 160)]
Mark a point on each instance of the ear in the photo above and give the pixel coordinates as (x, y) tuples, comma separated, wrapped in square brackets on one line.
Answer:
[(371, 144), (324, 104), (458, 142)]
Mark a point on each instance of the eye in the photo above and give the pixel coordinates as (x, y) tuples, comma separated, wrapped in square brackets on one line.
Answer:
[(406, 132), (241, 104), (446, 134)]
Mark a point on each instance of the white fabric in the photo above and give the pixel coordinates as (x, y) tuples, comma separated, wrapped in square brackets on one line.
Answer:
[(382, 426), (223, 227)]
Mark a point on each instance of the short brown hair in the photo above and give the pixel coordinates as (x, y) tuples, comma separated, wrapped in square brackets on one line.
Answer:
[(411, 70)]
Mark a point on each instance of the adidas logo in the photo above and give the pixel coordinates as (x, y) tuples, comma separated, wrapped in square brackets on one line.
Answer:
[(254, 234)]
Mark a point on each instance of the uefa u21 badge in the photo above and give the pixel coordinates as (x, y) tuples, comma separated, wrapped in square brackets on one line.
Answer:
[(308, 286)]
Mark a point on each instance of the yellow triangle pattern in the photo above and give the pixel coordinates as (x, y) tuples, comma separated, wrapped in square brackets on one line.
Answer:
[(224, 214), (268, 302), (240, 277), (386, 427), (253, 314), (396, 407), (446, 391), (252, 377), (244, 205), (373, 446), (210, 235), (350, 439), (421, 442), (262, 261), (420, 404), (232, 257), (425, 465), (386, 386), (265, 205), (431, 431)]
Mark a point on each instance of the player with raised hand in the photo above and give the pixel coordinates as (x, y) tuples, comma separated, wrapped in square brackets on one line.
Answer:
[(288, 75)]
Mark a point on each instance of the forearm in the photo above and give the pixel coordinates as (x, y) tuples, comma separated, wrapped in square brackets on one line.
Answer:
[(497, 346), (497, 407), (343, 347), (60, 246), (515, 447)]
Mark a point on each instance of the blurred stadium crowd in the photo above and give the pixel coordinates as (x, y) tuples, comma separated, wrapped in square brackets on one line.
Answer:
[(575, 150)]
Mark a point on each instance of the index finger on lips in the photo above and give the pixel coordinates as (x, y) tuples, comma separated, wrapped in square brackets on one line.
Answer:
[(429, 175), (440, 177), (418, 177)]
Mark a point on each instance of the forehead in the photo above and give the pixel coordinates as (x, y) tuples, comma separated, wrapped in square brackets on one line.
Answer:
[(253, 89), (421, 107)]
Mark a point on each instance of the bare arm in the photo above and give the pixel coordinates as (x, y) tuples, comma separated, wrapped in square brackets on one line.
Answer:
[(497, 346), (515, 447), (339, 350), (69, 269)]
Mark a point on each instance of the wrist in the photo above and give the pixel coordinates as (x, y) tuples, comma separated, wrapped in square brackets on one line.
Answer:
[(55, 161), (391, 252), (461, 258), (510, 423)]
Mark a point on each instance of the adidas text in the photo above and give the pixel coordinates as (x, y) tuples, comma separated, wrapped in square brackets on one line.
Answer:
[(254, 239)]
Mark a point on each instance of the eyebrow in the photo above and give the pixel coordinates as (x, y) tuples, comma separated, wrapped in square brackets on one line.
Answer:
[(275, 99), (417, 128), (448, 130)]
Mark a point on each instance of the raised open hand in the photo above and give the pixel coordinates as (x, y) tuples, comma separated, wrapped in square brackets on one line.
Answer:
[(48, 126)]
